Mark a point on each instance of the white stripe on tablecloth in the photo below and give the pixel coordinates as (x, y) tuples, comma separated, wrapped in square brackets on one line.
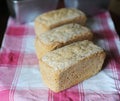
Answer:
[(30, 77)]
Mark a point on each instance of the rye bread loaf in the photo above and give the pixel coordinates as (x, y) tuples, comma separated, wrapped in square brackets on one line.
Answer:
[(61, 36), (55, 18), (71, 64)]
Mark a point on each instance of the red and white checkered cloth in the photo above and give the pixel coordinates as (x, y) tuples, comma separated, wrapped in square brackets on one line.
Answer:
[(20, 79)]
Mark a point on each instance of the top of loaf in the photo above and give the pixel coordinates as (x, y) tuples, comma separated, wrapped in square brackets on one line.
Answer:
[(69, 55), (63, 33), (56, 16)]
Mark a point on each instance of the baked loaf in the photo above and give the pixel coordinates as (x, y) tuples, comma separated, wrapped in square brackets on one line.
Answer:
[(71, 64), (56, 18), (61, 36)]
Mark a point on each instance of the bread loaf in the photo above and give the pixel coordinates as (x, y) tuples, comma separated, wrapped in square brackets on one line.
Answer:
[(71, 64), (56, 18), (61, 36)]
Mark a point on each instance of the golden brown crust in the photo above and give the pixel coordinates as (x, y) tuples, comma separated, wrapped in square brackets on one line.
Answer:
[(69, 54), (82, 70), (40, 28), (57, 18), (61, 36), (42, 49)]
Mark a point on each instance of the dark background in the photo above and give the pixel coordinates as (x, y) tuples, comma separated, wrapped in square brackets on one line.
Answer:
[(4, 14)]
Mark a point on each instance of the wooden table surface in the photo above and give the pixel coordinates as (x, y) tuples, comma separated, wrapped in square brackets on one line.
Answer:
[(4, 14)]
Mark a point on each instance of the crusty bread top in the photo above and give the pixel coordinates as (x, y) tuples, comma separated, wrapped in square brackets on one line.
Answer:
[(64, 33), (57, 16), (69, 55)]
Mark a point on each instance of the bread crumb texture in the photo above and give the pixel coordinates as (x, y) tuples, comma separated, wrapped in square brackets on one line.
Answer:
[(64, 33), (56, 16), (69, 55)]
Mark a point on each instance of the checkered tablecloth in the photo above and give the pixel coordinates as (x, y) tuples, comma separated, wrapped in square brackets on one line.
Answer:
[(20, 79)]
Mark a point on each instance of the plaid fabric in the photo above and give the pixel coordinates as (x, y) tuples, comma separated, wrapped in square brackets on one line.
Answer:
[(20, 79)]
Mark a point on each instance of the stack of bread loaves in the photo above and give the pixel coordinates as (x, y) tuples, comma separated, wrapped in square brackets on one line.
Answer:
[(65, 49)]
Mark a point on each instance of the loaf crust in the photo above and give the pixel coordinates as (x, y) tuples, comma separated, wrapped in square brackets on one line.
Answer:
[(61, 36), (57, 18), (71, 64)]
